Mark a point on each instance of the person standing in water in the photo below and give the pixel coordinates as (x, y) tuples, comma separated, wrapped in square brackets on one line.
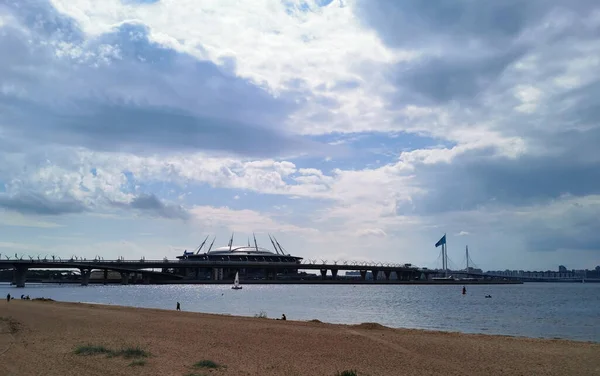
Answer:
[(464, 290)]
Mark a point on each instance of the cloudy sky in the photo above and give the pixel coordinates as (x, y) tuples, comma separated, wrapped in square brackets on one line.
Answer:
[(350, 129)]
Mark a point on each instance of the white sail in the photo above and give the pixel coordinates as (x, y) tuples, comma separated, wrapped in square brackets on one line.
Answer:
[(236, 282)]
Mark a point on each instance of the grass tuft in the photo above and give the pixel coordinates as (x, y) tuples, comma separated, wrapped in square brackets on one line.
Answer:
[(206, 364), (92, 350), (137, 363), (127, 353), (131, 353), (347, 373)]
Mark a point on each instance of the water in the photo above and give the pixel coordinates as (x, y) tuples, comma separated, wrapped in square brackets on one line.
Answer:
[(547, 310)]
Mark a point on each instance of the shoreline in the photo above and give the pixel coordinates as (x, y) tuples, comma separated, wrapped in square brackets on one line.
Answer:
[(256, 346), (312, 321), (440, 331)]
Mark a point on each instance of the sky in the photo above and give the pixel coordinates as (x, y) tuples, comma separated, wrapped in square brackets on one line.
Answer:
[(349, 129)]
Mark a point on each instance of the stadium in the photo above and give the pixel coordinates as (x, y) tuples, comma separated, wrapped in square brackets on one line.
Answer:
[(246, 253)]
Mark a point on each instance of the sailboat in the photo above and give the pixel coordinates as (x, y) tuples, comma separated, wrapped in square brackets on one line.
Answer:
[(236, 282)]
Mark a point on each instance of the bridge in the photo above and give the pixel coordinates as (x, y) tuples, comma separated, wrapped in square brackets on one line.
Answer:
[(182, 268)]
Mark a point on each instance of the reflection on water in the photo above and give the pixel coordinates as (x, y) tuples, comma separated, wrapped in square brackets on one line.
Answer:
[(563, 310)]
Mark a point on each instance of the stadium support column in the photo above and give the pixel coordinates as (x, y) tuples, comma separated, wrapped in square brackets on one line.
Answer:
[(20, 275), (375, 274), (334, 273), (323, 273), (105, 279), (217, 274), (85, 276), (363, 275), (387, 274)]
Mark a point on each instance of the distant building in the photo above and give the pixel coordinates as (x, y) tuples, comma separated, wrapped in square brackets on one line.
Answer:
[(562, 269), (239, 253)]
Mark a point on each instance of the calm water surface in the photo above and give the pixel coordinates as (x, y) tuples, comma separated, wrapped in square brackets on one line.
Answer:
[(549, 310)]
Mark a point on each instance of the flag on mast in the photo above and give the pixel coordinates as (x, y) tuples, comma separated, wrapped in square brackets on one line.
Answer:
[(441, 241)]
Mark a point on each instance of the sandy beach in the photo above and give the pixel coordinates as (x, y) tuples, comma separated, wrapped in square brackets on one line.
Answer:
[(40, 338)]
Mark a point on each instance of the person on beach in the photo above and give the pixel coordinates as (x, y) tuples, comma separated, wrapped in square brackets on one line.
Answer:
[(283, 316), (178, 306), (8, 297)]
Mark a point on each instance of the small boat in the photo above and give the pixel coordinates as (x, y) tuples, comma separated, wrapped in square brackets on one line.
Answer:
[(236, 282)]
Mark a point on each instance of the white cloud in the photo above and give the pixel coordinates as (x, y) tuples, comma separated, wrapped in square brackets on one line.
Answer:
[(372, 232), (244, 221), (19, 220)]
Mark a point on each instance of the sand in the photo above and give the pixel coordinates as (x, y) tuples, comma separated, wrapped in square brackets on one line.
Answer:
[(39, 338)]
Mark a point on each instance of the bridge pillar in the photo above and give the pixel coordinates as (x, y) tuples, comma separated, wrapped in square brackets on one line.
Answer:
[(387, 273), (105, 279), (124, 278), (146, 279), (19, 276), (197, 273), (323, 273), (334, 273), (363, 274), (85, 276), (375, 274)]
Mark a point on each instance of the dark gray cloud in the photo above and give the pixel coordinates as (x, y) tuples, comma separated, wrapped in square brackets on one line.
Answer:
[(465, 45), (414, 22), (39, 204), (443, 79), (122, 92), (567, 165), (141, 129), (151, 205), (478, 180), (577, 230)]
